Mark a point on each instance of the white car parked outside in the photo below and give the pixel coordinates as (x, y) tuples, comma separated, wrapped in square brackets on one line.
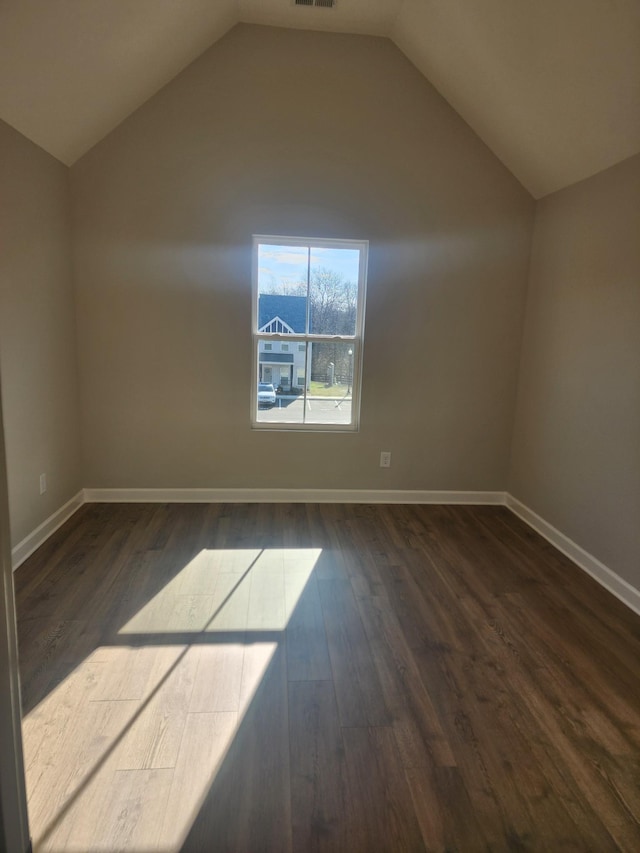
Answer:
[(266, 394)]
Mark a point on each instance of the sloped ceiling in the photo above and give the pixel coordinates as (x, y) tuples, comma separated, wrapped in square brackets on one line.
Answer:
[(553, 88)]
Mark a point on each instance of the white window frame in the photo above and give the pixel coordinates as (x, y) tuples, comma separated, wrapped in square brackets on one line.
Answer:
[(355, 341)]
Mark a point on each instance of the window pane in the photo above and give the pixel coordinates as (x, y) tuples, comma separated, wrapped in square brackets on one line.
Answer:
[(333, 291), (282, 288), (280, 397), (331, 385)]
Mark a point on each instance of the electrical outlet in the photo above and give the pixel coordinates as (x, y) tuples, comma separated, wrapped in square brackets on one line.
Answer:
[(43, 483), (385, 459)]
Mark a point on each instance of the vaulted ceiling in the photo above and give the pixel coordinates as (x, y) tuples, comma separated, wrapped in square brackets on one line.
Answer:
[(552, 86)]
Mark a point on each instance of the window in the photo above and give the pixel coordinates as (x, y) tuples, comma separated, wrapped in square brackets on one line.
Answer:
[(311, 292)]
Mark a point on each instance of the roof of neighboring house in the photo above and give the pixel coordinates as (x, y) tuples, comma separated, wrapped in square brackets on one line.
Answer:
[(291, 309), (276, 358)]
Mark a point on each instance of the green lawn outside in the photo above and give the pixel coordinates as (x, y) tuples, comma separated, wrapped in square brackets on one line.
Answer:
[(319, 389)]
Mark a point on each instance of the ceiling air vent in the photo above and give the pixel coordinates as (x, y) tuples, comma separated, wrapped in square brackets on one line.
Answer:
[(324, 4)]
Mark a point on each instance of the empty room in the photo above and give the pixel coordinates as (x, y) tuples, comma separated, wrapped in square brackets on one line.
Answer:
[(320, 426)]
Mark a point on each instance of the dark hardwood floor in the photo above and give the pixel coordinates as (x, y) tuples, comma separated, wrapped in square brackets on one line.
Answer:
[(271, 677)]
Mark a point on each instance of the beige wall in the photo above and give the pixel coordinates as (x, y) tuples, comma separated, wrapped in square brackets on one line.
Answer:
[(576, 447), (37, 333), (296, 133)]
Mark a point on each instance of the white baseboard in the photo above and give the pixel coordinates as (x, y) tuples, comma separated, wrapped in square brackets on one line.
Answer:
[(605, 576), (43, 531), (365, 496)]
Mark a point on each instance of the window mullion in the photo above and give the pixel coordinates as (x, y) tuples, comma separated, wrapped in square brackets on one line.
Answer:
[(307, 366)]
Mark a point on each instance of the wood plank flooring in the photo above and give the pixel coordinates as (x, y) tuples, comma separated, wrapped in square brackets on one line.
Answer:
[(247, 678)]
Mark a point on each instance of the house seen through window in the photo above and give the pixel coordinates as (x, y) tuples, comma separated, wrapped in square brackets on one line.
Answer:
[(308, 325)]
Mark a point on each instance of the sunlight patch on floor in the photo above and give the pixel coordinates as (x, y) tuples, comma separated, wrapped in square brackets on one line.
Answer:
[(237, 590), (121, 754)]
